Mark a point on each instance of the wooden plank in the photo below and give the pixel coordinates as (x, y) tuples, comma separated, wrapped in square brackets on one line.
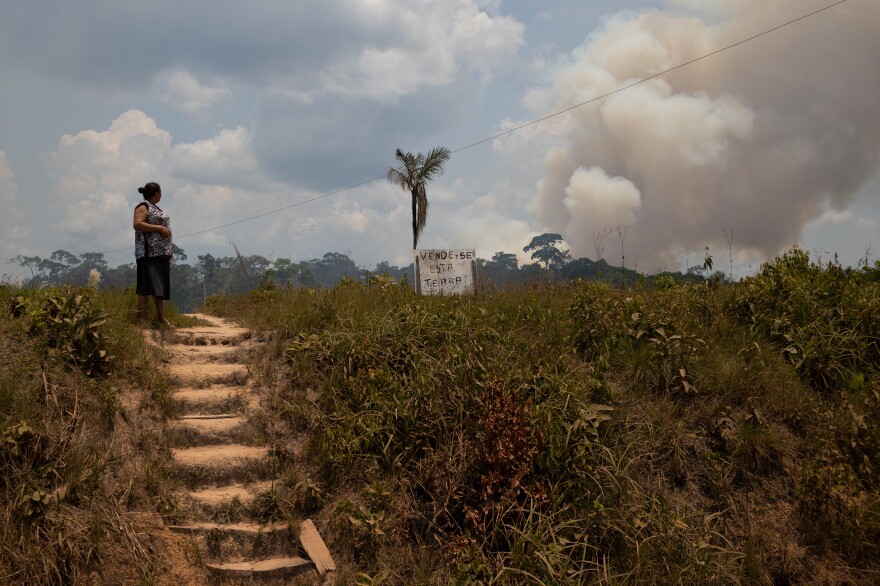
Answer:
[(315, 547), (270, 568), (239, 529)]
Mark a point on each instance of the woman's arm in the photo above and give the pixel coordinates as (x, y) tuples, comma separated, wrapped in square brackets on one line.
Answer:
[(140, 223)]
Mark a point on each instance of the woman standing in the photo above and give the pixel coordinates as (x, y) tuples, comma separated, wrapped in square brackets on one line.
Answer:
[(152, 249)]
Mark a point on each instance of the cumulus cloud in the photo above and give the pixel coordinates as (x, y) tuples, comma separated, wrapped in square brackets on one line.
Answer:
[(184, 92), (98, 171), (224, 159), (415, 79), (759, 139), (206, 183), (334, 81), (381, 49)]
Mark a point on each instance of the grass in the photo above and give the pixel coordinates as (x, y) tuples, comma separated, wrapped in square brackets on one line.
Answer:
[(576, 433), (553, 434), (67, 359)]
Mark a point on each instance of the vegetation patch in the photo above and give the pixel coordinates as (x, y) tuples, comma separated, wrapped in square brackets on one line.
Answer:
[(573, 433), (562, 433), (70, 474)]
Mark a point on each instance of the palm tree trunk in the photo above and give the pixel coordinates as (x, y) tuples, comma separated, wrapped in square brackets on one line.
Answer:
[(415, 225)]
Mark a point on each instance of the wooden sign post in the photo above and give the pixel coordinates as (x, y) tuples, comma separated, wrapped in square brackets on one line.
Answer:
[(445, 272)]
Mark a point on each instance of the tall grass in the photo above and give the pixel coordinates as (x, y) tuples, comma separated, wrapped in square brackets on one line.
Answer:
[(575, 433)]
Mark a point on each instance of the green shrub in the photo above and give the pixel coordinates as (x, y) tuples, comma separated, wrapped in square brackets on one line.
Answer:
[(824, 318), (70, 323)]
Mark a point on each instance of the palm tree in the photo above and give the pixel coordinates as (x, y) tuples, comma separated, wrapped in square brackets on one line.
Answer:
[(412, 173)]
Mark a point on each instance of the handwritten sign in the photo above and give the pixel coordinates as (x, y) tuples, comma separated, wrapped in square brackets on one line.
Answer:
[(445, 272)]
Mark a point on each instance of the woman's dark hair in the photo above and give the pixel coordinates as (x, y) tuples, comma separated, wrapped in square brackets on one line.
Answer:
[(149, 190)]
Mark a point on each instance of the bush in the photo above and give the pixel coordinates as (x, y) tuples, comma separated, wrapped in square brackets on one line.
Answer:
[(70, 323), (824, 318)]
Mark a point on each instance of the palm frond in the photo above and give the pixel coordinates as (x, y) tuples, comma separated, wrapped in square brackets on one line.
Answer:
[(398, 177), (433, 163), (409, 163), (421, 208)]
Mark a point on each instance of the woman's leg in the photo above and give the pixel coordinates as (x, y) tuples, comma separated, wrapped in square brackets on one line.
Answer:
[(160, 309), (142, 307)]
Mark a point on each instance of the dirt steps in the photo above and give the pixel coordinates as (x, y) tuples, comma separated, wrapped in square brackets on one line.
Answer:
[(220, 454)]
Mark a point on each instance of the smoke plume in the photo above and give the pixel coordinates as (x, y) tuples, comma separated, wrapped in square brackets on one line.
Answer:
[(760, 139)]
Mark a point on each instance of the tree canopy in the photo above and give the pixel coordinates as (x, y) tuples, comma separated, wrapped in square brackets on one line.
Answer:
[(546, 250)]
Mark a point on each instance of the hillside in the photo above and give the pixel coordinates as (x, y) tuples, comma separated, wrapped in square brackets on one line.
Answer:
[(549, 434)]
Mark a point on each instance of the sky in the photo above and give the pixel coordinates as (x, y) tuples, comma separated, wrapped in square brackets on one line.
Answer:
[(242, 108)]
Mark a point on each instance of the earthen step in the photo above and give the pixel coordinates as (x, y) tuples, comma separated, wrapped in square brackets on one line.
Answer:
[(218, 328), (204, 430), (212, 394), (206, 374), (218, 456), (187, 353), (209, 424), (217, 400), (209, 417), (229, 542), (193, 433), (269, 568), (213, 320), (221, 495)]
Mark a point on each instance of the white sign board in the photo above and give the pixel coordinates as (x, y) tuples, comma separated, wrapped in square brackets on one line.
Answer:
[(445, 272)]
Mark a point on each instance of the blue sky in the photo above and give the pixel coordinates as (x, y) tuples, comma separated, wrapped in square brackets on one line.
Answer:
[(240, 108)]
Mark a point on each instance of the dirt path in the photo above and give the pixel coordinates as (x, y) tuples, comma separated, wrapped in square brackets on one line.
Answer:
[(220, 455)]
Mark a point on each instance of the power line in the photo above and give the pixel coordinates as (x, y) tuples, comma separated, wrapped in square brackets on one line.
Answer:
[(287, 207), (515, 129)]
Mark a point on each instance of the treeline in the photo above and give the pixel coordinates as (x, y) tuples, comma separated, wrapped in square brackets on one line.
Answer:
[(193, 281)]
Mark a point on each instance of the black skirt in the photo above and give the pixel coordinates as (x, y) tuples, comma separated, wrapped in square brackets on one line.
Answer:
[(154, 276)]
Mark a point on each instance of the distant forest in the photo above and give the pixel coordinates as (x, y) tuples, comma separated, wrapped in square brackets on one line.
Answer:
[(194, 281)]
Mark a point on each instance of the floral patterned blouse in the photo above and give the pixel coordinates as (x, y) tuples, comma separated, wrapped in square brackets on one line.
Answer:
[(152, 244)]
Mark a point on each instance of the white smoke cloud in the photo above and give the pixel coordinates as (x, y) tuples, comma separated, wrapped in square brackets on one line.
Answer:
[(594, 201), (760, 139)]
